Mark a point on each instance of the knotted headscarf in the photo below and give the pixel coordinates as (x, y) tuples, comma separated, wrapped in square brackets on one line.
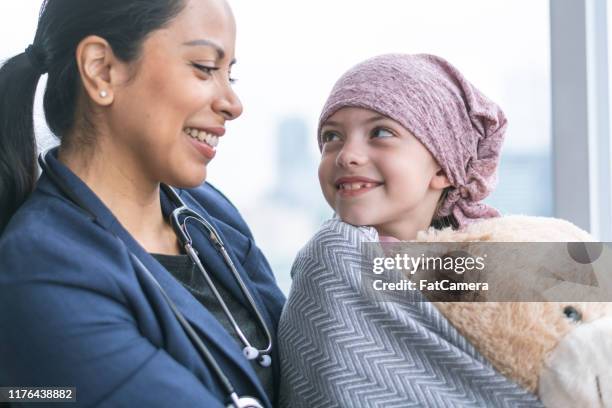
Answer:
[(461, 127)]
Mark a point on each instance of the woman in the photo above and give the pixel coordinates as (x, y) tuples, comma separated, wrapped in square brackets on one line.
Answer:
[(96, 289)]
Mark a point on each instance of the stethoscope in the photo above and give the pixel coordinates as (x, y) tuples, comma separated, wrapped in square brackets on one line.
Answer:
[(180, 228), (250, 352)]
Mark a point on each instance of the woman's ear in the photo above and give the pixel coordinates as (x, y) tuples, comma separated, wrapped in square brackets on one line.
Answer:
[(100, 70), (439, 181)]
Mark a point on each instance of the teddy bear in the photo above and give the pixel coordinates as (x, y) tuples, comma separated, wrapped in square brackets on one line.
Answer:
[(561, 351)]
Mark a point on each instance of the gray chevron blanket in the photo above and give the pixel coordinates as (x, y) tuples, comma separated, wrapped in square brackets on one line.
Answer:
[(340, 346)]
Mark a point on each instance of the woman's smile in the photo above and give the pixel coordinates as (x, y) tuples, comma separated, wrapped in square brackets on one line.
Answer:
[(205, 141)]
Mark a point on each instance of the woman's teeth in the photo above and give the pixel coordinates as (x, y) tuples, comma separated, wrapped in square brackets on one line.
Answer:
[(355, 186), (202, 136)]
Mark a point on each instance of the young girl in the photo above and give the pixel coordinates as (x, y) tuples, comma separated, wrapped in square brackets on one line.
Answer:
[(407, 143)]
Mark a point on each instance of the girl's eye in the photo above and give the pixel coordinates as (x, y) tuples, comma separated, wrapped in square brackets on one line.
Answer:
[(330, 136), (381, 133)]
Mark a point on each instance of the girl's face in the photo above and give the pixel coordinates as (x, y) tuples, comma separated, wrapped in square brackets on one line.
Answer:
[(181, 88), (375, 172)]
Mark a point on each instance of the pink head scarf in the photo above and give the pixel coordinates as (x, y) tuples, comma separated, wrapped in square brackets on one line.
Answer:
[(461, 127)]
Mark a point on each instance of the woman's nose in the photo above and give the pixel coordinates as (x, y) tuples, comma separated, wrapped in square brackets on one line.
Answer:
[(227, 103), (351, 155)]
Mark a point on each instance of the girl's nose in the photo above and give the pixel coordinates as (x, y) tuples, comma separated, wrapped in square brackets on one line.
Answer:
[(351, 155), (227, 103)]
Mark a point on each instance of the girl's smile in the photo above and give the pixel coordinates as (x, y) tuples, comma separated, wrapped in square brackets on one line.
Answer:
[(354, 186)]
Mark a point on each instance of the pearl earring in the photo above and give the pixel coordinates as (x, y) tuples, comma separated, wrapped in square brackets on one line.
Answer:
[(103, 94)]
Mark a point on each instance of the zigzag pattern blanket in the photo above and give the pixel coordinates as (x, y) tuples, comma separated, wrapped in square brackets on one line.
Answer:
[(341, 346)]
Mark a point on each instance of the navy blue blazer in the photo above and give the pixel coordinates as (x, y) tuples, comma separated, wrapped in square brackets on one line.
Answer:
[(74, 311)]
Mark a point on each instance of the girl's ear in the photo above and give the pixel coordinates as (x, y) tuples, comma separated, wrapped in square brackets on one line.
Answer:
[(439, 181)]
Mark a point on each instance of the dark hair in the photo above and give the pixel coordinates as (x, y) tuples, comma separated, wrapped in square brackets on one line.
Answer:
[(445, 222), (62, 24), (448, 220)]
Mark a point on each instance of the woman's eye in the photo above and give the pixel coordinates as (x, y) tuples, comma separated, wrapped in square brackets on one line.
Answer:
[(205, 69), (330, 137), (209, 70), (381, 133)]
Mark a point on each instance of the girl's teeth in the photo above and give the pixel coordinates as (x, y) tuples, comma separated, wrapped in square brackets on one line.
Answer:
[(355, 186)]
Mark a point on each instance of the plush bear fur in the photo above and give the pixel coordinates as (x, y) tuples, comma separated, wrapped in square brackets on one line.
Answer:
[(519, 338)]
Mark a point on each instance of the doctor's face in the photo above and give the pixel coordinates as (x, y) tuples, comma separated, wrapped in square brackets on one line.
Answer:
[(171, 114)]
